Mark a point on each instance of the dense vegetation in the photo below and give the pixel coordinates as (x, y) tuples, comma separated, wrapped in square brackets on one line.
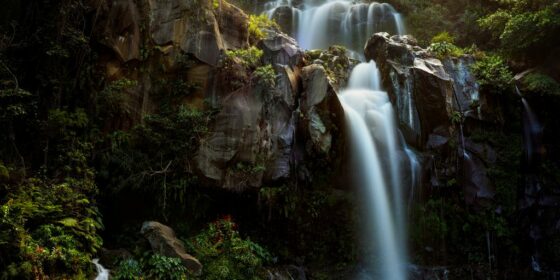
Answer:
[(78, 172)]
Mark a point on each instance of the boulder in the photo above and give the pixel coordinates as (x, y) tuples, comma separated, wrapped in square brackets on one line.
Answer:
[(279, 48), (164, 242)]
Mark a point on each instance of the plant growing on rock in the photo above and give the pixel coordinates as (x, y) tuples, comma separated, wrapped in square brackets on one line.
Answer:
[(492, 72), (249, 58), (443, 45), (266, 76), (258, 24)]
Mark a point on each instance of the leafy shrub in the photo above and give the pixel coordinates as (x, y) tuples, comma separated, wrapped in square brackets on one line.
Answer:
[(515, 25), (226, 255), (257, 24), (443, 45), (445, 49), (266, 75), (165, 268), (443, 37), (48, 229), (492, 72), (128, 269), (541, 83), (248, 57)]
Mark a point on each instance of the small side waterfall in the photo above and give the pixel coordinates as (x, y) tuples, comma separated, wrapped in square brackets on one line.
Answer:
[(376, 155), (320, 24), (102, 273), (532, 130)]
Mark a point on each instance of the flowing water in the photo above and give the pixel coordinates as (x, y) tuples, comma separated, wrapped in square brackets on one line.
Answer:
[(377, 151), (318, 24), (532, 130), (377, 160), (102, 273)]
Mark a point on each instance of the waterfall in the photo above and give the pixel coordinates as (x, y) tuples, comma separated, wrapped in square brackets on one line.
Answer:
[(319, 24), (376, 161), (532, 130), (102, 273)]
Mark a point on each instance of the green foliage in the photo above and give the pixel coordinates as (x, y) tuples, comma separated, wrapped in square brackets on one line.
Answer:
[(541, 83), (128, 269), (48, 229), (456, 118), (516, 23), (442, 46), (226, 255), (266, 75), (493, 73), (445, 49), (258, 24), (165, 268), (152, 266), (249, 58), (443, 37), (154, 157), (111, 100)]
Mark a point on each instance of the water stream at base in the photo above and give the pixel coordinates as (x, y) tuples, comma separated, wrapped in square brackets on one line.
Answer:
[(102, 273), (377, 160)]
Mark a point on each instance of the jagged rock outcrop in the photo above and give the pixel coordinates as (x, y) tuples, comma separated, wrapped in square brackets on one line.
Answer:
[(417, 83), (164, 242), (434, 100), (321, 108), (251, 139)]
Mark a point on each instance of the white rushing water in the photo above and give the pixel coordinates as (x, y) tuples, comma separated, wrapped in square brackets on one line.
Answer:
[(318, 24), (102, 273), (377, 161)]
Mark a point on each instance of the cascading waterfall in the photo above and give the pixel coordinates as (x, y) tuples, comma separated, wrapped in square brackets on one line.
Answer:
[(377, 161), (378, 153), (320, 24), (102, 273)]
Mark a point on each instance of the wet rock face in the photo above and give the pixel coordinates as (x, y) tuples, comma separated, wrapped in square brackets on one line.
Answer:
[(428, 94), (164, 242), (252, 139), (196, 29), (121, 31), (418, 84)]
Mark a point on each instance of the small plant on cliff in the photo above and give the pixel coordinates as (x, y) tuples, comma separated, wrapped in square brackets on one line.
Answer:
[(248, 57), (443, 46), (265, 75), (257, 25), (493, 73)]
